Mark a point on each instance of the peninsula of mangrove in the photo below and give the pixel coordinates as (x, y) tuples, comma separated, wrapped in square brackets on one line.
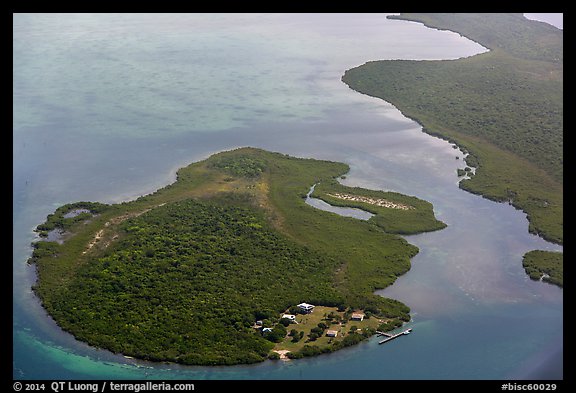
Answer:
[(504, 108), (214, 268)]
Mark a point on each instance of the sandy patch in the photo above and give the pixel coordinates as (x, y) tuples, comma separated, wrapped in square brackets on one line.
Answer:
[(282, 353), (372, 201)]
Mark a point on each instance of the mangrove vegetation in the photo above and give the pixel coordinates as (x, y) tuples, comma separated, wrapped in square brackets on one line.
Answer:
[(185, 273), (545, 266), (503, 108)]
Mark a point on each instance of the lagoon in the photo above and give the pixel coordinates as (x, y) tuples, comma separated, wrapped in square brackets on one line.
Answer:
[(108, 106)]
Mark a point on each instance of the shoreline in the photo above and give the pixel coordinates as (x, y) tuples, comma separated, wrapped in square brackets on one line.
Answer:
[(544, 187), (154, 364), (101, 229)]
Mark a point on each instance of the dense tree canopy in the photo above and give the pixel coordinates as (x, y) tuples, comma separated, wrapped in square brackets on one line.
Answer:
[(504, 108)]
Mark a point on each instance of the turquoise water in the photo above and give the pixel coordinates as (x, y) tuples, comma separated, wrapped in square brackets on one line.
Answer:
[(107, 107)]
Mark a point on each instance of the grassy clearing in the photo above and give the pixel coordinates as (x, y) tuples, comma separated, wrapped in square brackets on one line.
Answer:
[(341, 324)]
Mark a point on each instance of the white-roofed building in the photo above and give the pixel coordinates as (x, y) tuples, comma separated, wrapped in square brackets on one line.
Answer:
[(307, 308)]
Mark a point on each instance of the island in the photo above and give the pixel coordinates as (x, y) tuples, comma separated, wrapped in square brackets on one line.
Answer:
[(544, 266), (503, 109), (228, 264)]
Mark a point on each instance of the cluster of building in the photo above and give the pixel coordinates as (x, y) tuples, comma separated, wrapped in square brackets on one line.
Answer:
[(354, 317), (304, 307), (307, 309)]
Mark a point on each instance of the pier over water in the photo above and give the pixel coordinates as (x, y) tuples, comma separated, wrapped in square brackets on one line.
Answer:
[(392, 336)]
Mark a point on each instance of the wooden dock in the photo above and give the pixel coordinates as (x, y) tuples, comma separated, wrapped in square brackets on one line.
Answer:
[(390, 337)]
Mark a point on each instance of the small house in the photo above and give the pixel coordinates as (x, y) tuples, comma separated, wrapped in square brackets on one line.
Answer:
[(357, 317), (289, 316), (307, 308), (266, 329), (332, 333)]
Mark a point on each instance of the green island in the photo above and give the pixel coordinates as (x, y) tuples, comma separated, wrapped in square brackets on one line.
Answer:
[(545, 266), (211, 270), (393, 212), (502, 108)]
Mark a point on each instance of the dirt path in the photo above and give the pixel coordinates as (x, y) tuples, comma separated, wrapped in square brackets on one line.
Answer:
[(116, 220)]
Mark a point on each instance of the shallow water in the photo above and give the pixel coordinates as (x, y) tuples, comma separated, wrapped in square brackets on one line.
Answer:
[(107, 107), (554, 19)]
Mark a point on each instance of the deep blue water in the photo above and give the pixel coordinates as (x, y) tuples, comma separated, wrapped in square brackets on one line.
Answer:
[(107, 107)]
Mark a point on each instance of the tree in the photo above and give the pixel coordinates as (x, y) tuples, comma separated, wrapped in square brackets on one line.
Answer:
[(274, 356), (285, 322), (277, 334)]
